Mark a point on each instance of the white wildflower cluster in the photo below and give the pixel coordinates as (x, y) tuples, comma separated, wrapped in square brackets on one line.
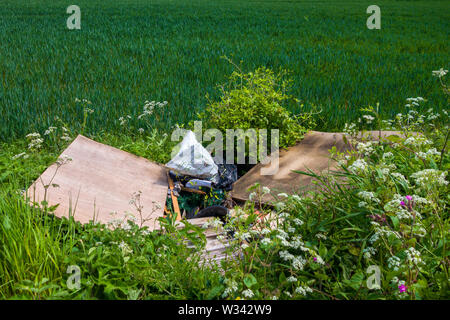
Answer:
[(216, 223), (382, 231), (439, 73), (150, 106), (291, 229), (321, 236), (35, 141), (243, 236), (125, 248), (291, 279), (419, 200), (50, 130), (417, 141), (63, 159), (303, 290), (403, 214), (248, 293), (65, 135), (368, 196), (358, 165), (430, 177), (129, 217), (286, 256), (23, 155), (296, 243), (362, 204), (420, 231), (394, 206), (413, 257), (384, 170), (283, 214), (368, 118), (297, 263), (115, 221), (280, 206), (387, 155), (231, 286), (124, 120), (431, 115), (414, 102), (394, 263), (429, 154), (369, 252), (350, 129), (85, 101), (399, 177), (365, 148)]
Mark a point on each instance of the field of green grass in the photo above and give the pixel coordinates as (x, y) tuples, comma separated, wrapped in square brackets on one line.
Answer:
[(129, 51)]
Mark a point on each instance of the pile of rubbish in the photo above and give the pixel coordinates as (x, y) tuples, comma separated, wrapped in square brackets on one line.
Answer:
[(197, 185), (98, 181)]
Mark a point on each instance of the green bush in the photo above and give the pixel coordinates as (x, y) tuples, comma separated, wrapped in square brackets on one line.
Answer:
[(255, 100)]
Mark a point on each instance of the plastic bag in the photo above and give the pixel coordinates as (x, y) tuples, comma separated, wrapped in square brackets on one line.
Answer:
[(226, 177), (193, 160)]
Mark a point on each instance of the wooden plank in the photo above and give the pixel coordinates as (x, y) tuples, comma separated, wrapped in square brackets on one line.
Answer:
[(214, 248), (101, 180), (176, 207), (310, 153)]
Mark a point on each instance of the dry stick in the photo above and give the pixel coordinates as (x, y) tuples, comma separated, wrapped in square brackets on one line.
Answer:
[(443, 149)]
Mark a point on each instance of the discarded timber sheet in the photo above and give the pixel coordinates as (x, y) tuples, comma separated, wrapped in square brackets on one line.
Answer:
[(101, 180), (215, 250), (311, 153)]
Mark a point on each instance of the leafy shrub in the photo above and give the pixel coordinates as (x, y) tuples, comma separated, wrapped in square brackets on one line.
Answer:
[(255, 100)]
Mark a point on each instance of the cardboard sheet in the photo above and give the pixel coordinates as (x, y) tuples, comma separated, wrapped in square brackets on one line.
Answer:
[(310, 153), (101, 180)]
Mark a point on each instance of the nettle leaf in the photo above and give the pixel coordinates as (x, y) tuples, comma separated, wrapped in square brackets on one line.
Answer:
[(356, 280), (321, 276), (250, 280), (395, 221), (354, 250), (215, 291), (282, 277)]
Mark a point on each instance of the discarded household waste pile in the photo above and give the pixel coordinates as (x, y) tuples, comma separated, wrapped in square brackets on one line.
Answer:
[(100, 182), (199, 184)]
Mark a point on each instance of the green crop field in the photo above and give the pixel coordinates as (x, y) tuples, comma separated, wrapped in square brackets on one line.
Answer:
[(129, 51)]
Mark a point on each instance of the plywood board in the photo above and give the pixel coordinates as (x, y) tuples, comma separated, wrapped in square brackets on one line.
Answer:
[(101, 180), (310, 153)]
